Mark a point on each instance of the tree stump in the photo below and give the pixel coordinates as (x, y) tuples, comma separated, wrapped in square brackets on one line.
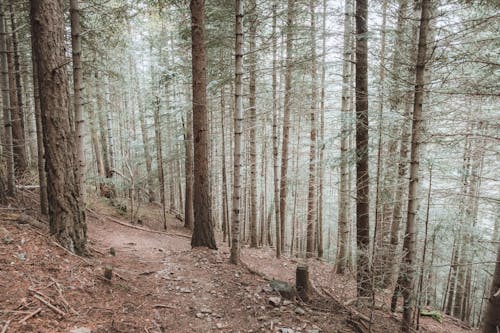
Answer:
[(302, 283), (108, 272)]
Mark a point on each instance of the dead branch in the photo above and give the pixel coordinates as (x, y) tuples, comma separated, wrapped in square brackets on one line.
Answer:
[(32, 314), (6, 326), (50, 305)]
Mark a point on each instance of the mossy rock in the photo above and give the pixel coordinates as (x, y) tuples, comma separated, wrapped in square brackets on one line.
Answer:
[(436, 315), (285, 289)]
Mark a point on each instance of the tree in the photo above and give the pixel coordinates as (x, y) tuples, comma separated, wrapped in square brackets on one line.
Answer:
[(491, 323), (408, 264), (7, 118), (238, 131), (66, 214), (203, 233), (362, 175), (77, 88)]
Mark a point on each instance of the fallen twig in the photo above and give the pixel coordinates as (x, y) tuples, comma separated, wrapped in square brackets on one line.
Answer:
[(50, 305), (164, 306), (34, 313), (6, 326), (137, 227)]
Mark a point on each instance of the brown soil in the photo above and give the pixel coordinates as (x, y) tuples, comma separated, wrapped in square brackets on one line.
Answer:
[(161, 285)]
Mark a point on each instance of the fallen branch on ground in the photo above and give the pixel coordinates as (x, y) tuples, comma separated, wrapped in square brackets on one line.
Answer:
[(137, 227), (50, 305), (6, 326), (32, 314)]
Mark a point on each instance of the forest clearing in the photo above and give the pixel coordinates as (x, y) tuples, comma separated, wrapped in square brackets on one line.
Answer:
[(249, 165)]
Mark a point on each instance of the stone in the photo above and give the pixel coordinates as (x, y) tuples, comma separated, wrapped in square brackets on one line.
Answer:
[(299, 310), (286, 302), (275, 301), (312, 331), (185, 290), (284, 288), (199, 315), (80, 330), (286, 330)]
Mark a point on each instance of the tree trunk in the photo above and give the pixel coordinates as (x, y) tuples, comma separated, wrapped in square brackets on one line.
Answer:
[(77, 90), (159, 160), (275, 140), (362, 175), (203, 233), (188, 170), (286, 118), (238, 131), (16, 100), (311, 199), (42, 177), (66, 213), (343, 231), (491, 323), (410, 234), (252, 21), (7, 118)]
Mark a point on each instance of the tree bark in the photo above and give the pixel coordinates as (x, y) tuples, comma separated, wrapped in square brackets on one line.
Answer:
[(416, 140), (286, 119), (238, 131), (77, 90), (491, 323), (66, 213), (7, 118), (203, 233), (311, 196), (364, 288)]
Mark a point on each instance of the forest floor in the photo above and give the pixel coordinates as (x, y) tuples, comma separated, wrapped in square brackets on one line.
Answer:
[(160, 284)]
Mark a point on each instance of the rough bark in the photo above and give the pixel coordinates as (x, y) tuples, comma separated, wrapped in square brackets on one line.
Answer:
[(286, 119), (77, 90), (7, 119), (408, 263), (362, 175), (343, 231), (203, 233), (188, 170), (66, 207), (238, 131), (311, 196)]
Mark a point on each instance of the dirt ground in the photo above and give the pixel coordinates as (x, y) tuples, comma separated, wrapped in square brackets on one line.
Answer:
[(160, 284)]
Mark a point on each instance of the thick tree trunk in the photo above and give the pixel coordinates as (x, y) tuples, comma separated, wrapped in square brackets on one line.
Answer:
[(409, 249), (203, 233), (362, 175), (238, 129), (66, 207)]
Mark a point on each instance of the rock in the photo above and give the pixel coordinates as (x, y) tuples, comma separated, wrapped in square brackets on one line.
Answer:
[(80, 330), (286, 330), (275, 301), (205, 310), (312, 331), (112, 251), (299, 310), (185, 290), (286, 302), (284, 288), (199, 315), (219, 325)]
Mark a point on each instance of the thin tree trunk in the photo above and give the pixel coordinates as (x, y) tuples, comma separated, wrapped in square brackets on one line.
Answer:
[(7, 119), (491, 323), (343, 230), (16, 99), (77, 90), (410, 234), (311, 200), (252, 59), (42, 177), (275, 139), (188, 170), (159, 160), (286, 119), (66, 213), (238, 131)]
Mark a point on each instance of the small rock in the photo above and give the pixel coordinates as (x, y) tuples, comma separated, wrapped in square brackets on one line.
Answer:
[(275, 301), (112, 251), (80, 330), (21, 256), (205, 310), (199, 315), (185, 290), (312, 331), (286, 302), (299, 310), (286, 330)]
